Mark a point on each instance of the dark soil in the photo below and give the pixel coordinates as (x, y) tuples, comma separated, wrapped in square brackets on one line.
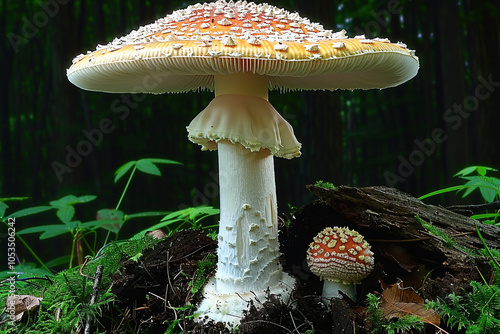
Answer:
[(156, 290), (153, 292)]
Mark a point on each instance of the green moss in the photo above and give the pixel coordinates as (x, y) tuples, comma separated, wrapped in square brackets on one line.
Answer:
[(204, 267), (324, 184), (448, 241)]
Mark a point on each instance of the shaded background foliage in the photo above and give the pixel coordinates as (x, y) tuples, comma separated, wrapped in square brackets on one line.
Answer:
[(357, 138)]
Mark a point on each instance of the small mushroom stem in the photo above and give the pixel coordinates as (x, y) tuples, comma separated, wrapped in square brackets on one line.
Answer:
[(331, 290)]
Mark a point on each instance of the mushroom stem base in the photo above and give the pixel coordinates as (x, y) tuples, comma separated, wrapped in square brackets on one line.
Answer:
[(228, 308), (331, 290)]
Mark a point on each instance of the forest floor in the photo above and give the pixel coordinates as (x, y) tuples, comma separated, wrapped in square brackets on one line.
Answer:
[(175, 262), (157, 291), (407, 272)]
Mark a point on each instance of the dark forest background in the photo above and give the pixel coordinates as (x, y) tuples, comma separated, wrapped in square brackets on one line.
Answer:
[(413, 137)]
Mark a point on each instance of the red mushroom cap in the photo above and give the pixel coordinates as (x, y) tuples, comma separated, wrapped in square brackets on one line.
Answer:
[(341, 255)]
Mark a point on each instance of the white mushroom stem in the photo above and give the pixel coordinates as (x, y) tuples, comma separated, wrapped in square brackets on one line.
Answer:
[(248, 232), (331, 290), (248, 249)]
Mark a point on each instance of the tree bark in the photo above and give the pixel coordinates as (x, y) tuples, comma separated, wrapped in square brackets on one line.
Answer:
[(392, 213), (439, 260)]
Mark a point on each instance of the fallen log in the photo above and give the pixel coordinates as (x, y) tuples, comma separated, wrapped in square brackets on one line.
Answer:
[(427, 247)]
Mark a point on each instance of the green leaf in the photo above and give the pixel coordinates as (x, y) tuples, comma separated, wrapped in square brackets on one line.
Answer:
[(155, 227), (72, 199), (3, 208), (481, 170), (58, 230), (488, 186), (442, 191), (144, 165), (488, 194), (145, 214), (487, 248), (66, 200), (103, 223), (46, 229), (109, 219), (27, 269), (192, 215), (29, 211), (84, 199), (148, 167), (63, 260), (110, 214), (13, 199), (163, 161), (485, 216), (124, 169), (136, 257), (203, 212), (66, 213)]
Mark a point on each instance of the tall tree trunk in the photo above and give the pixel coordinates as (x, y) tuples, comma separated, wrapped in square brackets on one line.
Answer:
[(451, 91), (484, 46), (320, 120), (6, 184)]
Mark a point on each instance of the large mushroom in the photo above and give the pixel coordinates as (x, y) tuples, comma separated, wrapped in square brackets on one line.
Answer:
[(240, 50)]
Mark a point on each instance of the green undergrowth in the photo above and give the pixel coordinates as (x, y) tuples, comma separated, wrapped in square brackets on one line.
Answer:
[(477, 310), (66, 296), (204, 267)]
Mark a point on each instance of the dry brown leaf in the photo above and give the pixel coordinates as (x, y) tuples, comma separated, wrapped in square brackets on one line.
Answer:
[(23, 304), (398, 302), (396, 253)]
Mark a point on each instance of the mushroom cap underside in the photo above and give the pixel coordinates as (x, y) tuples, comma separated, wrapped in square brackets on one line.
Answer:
[(183, 52)]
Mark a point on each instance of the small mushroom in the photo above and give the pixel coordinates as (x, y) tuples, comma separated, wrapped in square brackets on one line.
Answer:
[(157, 234), (342, 258)]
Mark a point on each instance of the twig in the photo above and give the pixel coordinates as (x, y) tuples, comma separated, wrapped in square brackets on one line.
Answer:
[(93, 297), (194, 252), (168, 271), (266, 322), (470, 209), (83, 266), (69, 285), (417, 239), (293, 322), (155, 295)]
